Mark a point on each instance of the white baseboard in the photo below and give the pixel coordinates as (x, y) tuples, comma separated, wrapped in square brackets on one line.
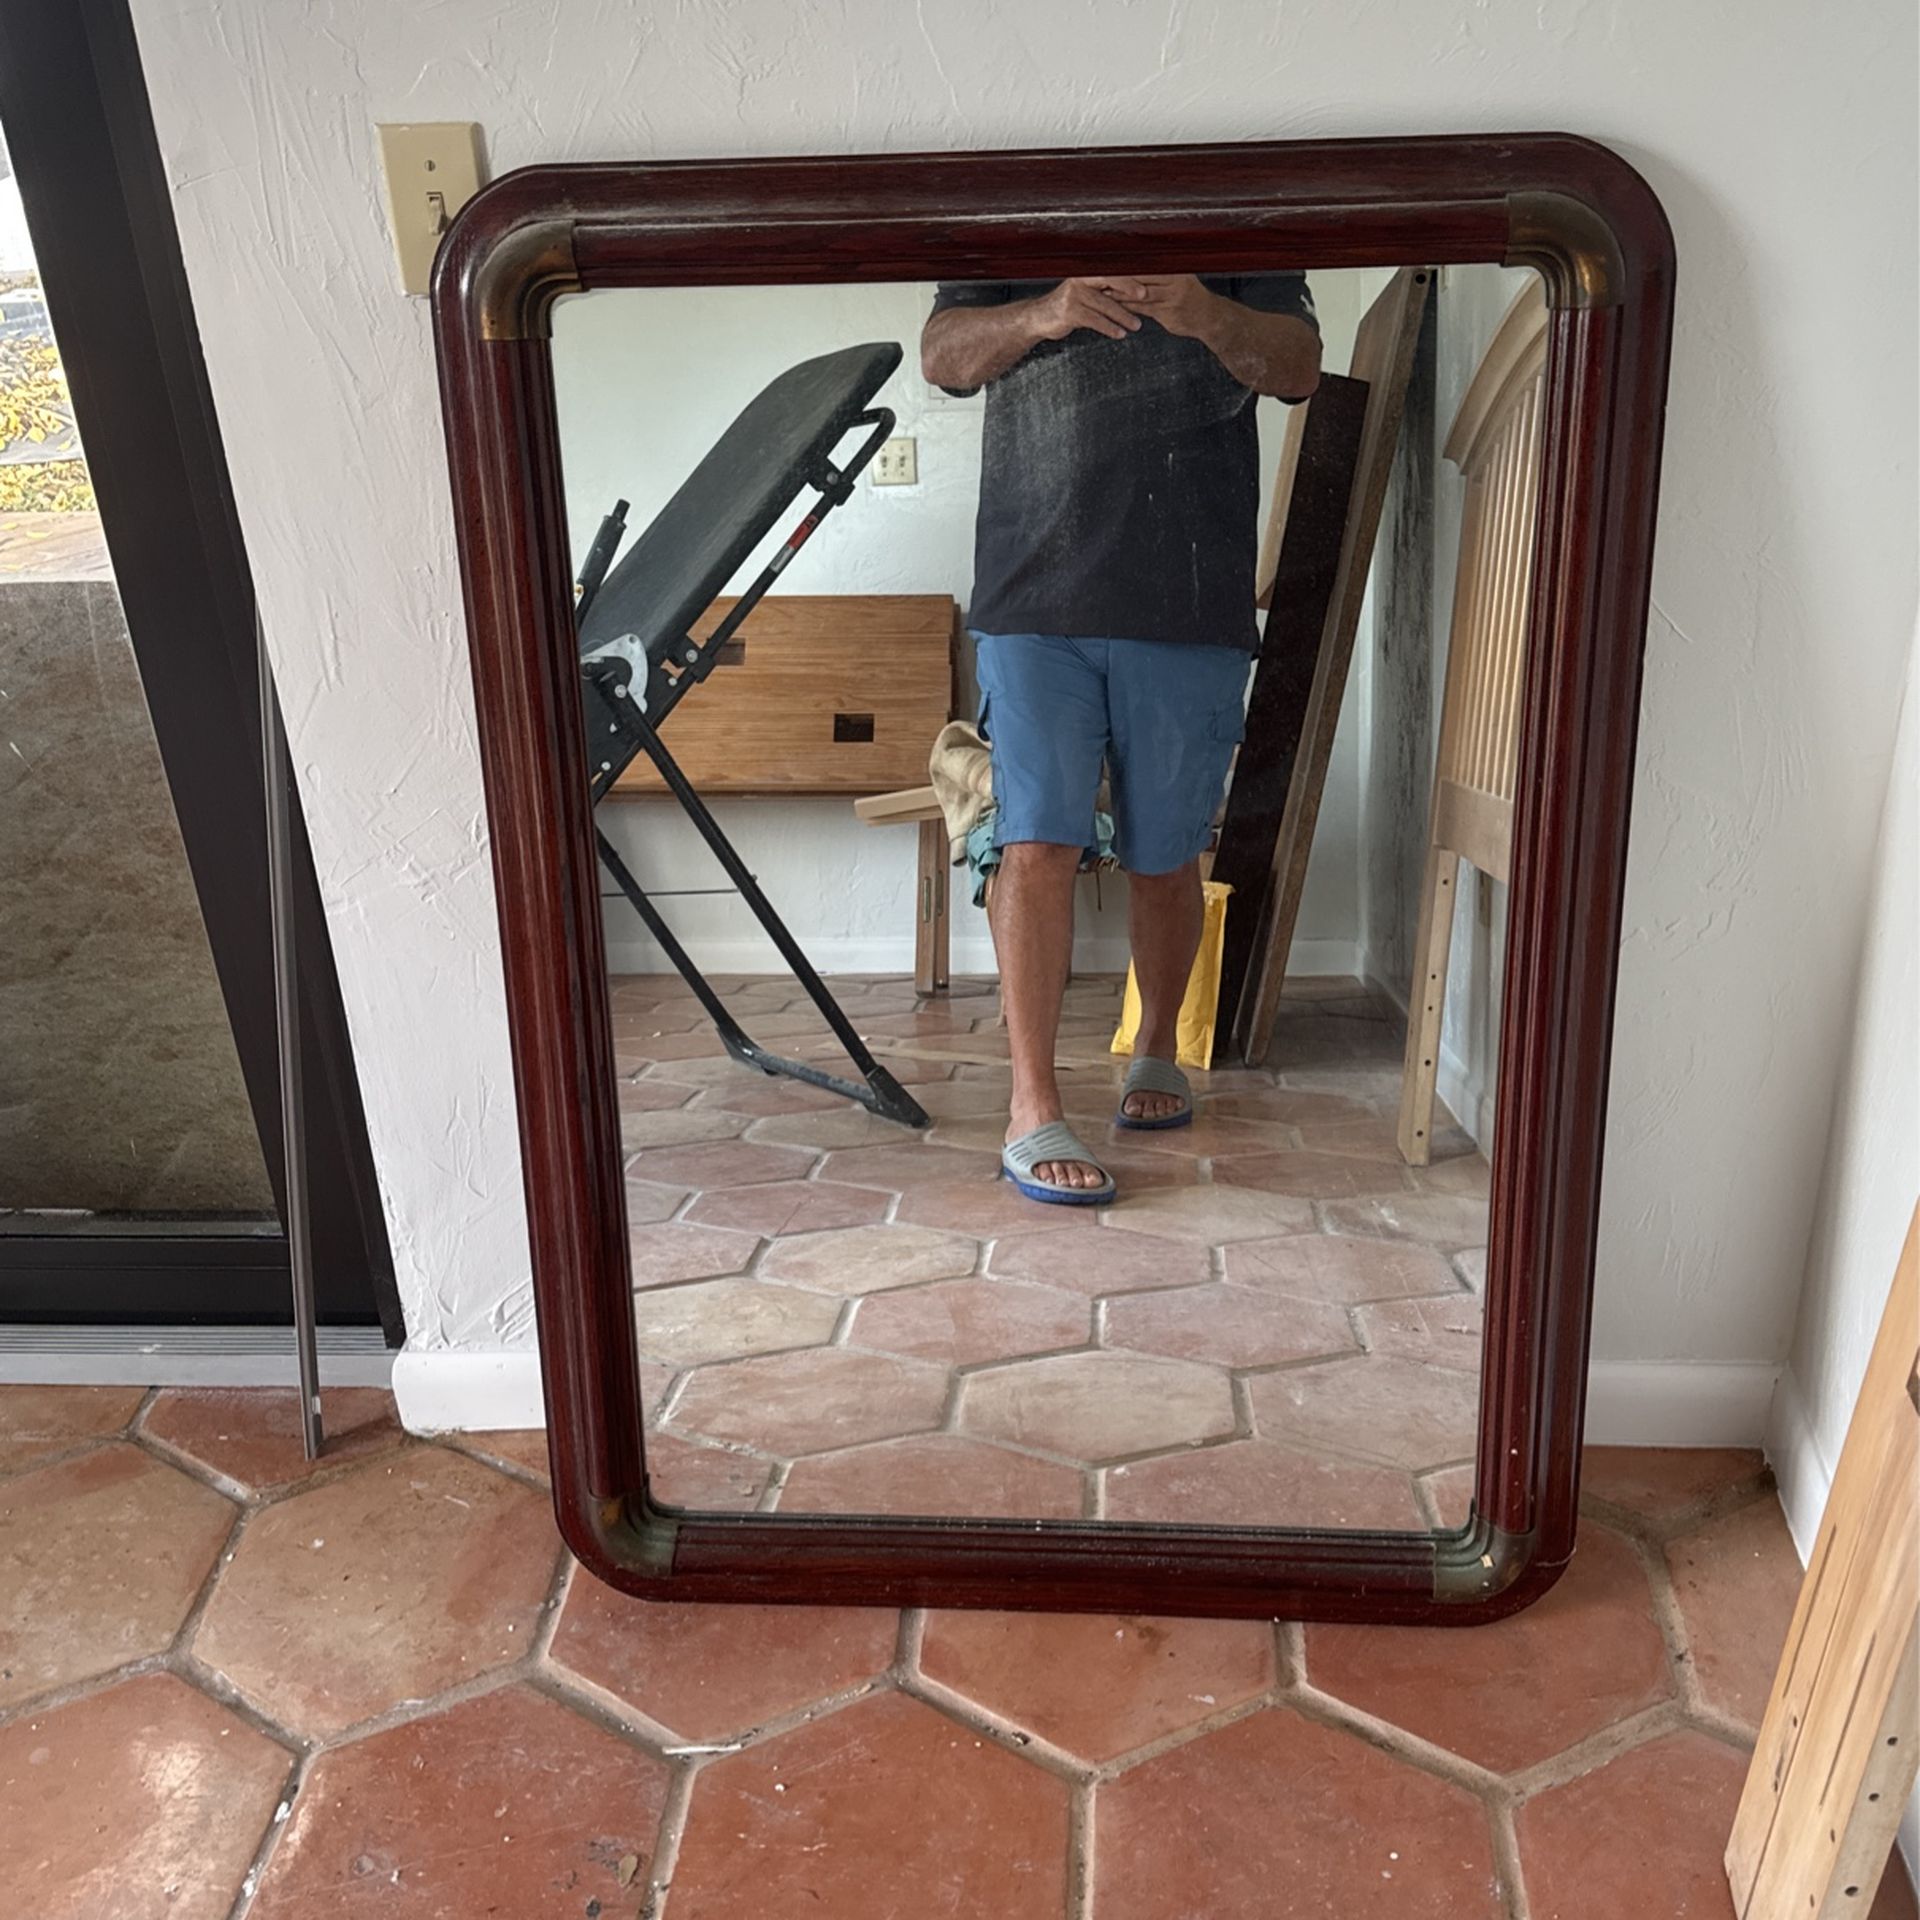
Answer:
[(467, 1390), (1677, 1404)]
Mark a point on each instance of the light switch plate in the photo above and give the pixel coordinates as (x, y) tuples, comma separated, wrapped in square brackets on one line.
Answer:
[(897, 464), (433, 169)]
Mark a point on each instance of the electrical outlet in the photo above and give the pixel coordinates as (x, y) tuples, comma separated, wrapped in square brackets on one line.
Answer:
[(897, 464), (433, 169)]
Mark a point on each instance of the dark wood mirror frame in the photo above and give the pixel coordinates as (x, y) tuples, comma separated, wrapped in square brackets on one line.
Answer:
[(1567, 207)]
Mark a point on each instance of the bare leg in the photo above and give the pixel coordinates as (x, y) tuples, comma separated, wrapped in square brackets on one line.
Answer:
[(1031, 912), (1163, 924)]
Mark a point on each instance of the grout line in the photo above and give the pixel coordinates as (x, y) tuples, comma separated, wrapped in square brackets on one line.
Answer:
[(278, 1821), (674, 1809), (1506, 1859), (1081, 1841)]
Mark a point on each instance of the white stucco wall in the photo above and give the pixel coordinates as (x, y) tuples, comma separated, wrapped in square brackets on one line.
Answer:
[(1782, 141)]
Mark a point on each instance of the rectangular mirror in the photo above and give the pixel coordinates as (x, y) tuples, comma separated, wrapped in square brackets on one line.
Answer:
[(1283, 535)]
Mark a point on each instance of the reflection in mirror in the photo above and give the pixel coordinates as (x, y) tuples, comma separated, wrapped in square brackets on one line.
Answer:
[(1248, 694)]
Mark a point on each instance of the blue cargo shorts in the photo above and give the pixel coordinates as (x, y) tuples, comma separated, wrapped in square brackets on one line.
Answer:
[(1163, 716)]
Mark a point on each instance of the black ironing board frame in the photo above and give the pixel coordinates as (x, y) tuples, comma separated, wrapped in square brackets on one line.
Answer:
[(635, 623)]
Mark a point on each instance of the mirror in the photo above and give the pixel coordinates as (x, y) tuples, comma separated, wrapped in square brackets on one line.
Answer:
[(1247, 673)]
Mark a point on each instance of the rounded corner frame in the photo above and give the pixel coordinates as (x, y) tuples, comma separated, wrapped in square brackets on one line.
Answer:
[(1567, 207)]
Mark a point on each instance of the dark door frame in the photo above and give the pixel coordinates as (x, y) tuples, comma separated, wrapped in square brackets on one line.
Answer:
[(79, 128)]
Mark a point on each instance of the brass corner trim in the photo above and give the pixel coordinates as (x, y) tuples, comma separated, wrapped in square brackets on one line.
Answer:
[(1480, 1560), (1570, 244), (513, 284)]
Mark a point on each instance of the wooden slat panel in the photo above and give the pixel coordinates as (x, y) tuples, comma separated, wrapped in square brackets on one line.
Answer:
[(764, 720), (1836, 1756)]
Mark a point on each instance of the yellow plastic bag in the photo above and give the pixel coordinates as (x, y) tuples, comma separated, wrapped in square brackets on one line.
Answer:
[(1197, 1011)]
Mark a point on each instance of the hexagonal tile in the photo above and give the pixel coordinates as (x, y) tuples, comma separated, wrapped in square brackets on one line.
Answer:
[(1737, 1581), (522, 1447), (649, 1096), (144, 1799), (1254, 1483), (664, 1256), (1218, 1826), (389, 1584), (1391, 1411), (903, 1169), (726, 1319), (793, 1403), (963, 1322), (1666, 1485), (979, 1207), (1643, 1834), (36, 1422), (866, 1259), (1448, 1494), (1449, 1222), (1098, 1406), (1312, 1176), (1377, 1137), (884, 1808), (649, 1203), (101, 1557), (934, 1474), (683, 1473), (251, 1435), (1523, 1689), (1339, 1267), (721, 1163), (789, 1206), (1287, 1107), (1098, 1685), (1437, 1332), (1209, 1216), (507, 1804), (844, 1125), (1230, 1326), (713, 1673), (1087, 1260), (678, 1127)]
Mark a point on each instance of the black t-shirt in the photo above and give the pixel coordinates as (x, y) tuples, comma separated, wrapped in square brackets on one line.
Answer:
[(1120, 480)]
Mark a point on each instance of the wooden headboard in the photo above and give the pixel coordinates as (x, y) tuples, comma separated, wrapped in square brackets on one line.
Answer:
[(817, 693)]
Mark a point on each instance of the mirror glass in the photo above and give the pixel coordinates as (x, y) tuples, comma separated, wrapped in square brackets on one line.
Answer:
[(1244, 719)]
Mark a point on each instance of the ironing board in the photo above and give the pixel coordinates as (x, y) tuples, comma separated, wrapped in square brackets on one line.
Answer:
[(639, 657)]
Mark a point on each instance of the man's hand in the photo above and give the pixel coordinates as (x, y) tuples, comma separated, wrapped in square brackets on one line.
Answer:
[(1274, 353), (1179, 302), (1100, 303)]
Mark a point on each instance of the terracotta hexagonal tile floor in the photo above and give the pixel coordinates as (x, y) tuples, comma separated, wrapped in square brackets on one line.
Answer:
[(1670, 1485), (1382, 1408), (534, 1811), (1098, 1685), (868, 1259), (537, 1786), (963, 1322), (1216, 1828), (794, 1403), (728, 1319), (252, 1438), (1209, 1216), (934, 1473), (664, 1256), (1082, 1259), (1737, 1579), (683, 1473), (146, 1799), (101, 1558), (389, 1584), (1228, 1325), (1098, 1406), (789, 1206), (1585, 1657), (884, 1808), (708, 1674), (1339, 1267), (1619, 1840), (38, 1422), (1250, 1483)]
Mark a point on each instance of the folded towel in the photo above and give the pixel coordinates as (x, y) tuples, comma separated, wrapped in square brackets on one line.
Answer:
[(961, 769)]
